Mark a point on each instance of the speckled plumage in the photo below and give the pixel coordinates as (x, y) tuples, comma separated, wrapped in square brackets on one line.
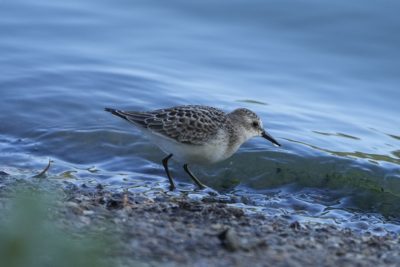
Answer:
[(196, 134), (193, 125)]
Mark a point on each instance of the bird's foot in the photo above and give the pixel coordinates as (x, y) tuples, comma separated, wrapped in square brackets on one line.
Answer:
[(208, 190), (172, 187)]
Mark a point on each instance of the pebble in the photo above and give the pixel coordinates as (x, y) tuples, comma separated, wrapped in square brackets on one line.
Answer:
[(229, 239)]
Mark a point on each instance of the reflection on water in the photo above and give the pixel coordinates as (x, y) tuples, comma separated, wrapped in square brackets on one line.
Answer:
[(394, 136), (374, 158), (337, 134), (322, 76), (252, 101)]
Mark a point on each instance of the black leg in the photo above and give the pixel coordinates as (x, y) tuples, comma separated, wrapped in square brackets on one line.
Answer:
[(199, 184), (165, 164)]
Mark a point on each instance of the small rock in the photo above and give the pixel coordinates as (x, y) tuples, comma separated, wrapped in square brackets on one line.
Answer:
[(267, 228), (88, 212), (71, 204), (74, 207), (295, 225), (85, 220), (216, 227), (125, 200), (3, 173), (114, 204), (191, 206), (340, 252), (99, 187), (333, 243), (70, 186), (229, 239)]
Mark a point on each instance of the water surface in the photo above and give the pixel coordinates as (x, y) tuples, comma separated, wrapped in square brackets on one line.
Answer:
[(323, 77)]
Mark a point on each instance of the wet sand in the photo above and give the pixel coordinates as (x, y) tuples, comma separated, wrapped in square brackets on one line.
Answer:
[(177, 230)]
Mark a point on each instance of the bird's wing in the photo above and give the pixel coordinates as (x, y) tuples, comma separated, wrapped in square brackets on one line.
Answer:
[(186, 124)]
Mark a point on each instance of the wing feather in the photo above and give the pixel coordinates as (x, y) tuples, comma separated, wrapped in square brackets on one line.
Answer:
[(186, 124)]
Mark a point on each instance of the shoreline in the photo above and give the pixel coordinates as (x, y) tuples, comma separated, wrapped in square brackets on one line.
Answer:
[(176, 230)]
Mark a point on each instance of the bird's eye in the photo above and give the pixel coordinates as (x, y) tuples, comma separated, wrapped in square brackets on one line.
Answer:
[(255, 124)]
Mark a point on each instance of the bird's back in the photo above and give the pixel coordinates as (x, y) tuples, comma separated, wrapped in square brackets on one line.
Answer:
[(191, 124)]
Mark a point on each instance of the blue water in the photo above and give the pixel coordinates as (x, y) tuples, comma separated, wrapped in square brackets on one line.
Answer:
[(324, 77)]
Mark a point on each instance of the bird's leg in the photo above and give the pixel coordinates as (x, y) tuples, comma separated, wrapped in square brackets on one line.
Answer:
[(165, 164), (199, 184)]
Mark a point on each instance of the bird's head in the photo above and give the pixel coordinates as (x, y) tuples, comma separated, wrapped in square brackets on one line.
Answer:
[(251, 124)]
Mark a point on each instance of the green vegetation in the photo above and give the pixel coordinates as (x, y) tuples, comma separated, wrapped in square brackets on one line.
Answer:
[(29, 236)]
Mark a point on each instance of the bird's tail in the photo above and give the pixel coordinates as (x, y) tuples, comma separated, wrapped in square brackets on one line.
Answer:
[(116, 112), (137, 118)]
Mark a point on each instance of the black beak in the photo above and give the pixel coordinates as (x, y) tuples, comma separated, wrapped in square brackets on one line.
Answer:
[(270, 138)]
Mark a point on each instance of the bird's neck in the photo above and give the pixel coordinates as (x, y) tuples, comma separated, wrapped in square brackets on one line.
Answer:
[(237, 137)]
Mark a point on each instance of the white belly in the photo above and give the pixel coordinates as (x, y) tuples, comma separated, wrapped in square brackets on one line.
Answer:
[(208, 153)]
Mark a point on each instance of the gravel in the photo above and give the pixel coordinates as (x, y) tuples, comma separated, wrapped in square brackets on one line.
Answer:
[(179, 230)]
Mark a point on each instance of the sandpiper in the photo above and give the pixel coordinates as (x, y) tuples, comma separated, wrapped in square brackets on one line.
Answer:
[(196, 134)]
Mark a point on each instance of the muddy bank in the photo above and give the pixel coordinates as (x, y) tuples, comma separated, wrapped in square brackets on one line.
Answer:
[(177, 229)]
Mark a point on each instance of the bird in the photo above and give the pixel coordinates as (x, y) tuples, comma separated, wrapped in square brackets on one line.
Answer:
[(196, 134)]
